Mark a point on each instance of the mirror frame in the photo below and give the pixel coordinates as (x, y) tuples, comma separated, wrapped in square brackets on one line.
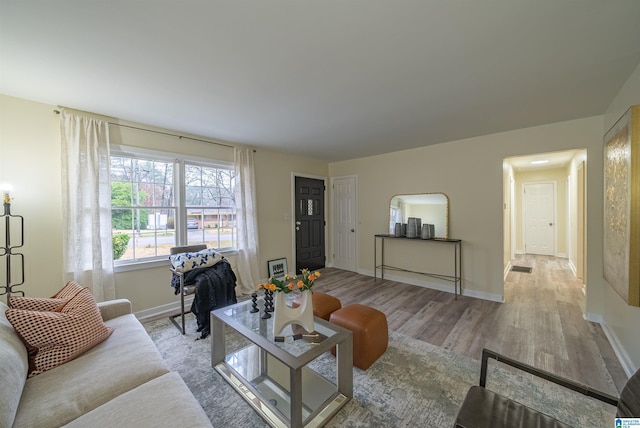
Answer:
[(446, 219)]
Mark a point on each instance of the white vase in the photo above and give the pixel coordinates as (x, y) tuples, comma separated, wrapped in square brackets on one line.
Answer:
[(283, 315)]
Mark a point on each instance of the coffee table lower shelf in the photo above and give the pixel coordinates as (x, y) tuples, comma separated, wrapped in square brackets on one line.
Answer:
[(262, 380)]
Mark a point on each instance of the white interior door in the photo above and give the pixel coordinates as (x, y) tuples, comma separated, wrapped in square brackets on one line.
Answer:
[(344, 222), (539, 218), (581, 223)]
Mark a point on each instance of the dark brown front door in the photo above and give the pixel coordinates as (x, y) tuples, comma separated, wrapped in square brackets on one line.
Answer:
[(310, 224)]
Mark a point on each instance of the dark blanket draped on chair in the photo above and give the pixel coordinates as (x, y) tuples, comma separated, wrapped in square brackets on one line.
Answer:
[(215, 287)]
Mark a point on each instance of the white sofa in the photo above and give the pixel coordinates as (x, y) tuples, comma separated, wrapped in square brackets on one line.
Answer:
[(121, 382)]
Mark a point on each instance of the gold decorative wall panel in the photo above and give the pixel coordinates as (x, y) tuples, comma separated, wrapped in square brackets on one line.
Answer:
[(622, 206)]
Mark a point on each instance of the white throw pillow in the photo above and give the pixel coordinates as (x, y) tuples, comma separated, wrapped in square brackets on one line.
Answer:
[(184, 262)]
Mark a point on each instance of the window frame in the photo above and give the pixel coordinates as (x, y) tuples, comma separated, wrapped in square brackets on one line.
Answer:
[(179, 203)]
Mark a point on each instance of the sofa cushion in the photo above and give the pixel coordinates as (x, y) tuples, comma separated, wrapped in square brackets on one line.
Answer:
[(53, 338), (46, 303), (14, 367), (139, 407), (126, 360), (184, 262)]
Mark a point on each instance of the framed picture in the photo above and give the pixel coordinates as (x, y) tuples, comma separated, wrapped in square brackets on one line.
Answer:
[(621, 229), (277, 268)]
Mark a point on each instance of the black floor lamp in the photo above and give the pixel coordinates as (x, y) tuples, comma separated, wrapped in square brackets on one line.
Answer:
[(15, 223)]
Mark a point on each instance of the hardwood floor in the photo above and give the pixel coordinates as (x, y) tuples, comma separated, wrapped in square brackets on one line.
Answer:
[(540, 323)]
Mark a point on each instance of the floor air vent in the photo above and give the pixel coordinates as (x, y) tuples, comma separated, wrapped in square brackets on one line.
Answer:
[(524, 269)]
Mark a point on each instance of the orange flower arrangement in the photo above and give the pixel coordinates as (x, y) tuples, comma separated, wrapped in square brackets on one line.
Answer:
[(291, 283)]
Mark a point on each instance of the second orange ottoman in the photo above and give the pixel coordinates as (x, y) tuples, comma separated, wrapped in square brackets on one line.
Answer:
[(370, 332), (323, 304)]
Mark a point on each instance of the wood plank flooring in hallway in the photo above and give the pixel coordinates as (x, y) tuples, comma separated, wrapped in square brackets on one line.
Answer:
[(540, 323)]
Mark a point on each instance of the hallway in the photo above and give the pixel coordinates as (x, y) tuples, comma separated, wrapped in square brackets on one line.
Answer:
[(542, 323)]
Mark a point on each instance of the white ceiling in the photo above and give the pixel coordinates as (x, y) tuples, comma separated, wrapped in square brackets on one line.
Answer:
[(332, 79)]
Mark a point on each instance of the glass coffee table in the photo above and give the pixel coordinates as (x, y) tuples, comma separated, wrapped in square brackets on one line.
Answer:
[(273, 377)]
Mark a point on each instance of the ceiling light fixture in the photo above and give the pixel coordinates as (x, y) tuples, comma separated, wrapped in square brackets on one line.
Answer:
[(539, 162)]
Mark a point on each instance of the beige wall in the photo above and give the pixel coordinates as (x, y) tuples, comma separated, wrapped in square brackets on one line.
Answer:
[(30, 159), (470, 172), (620, 320)]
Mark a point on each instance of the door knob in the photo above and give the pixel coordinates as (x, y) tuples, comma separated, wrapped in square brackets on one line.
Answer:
[(550, 224), (298, 223), (297, 228), (353, 230)]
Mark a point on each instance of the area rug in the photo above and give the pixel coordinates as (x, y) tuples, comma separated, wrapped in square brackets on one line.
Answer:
[(414, 384)]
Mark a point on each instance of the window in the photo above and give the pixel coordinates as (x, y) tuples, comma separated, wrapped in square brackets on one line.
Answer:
[(158, 203), (210, 207)]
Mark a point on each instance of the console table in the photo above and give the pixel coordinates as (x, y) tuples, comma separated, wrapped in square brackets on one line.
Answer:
[(456, 278)]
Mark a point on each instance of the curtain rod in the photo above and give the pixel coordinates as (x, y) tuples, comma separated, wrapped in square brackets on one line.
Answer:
[(166, 133)]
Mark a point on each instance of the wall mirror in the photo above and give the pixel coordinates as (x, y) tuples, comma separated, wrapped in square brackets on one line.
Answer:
[(431, 208)]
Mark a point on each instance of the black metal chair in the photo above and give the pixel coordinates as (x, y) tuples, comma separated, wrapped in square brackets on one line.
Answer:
[(485, 408), (185, 289)]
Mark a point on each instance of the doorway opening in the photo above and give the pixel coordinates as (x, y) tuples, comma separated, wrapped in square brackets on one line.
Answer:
[(544, 199)]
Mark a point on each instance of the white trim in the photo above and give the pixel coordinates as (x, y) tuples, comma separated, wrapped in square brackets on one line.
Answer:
[(484, 296), (506, 272), (293, 214), (157, 263), (435, 286), (151, 264), (137, 152), (163, 310), (618, 349), (513, 231), (573, 269)]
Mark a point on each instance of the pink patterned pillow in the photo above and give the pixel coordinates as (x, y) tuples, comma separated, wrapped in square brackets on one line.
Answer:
[(54, 303), (69, 290), (54, 338), (36, 303)]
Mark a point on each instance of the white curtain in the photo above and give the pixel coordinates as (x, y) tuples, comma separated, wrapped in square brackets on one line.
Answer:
[(86, 204), (247, 220)]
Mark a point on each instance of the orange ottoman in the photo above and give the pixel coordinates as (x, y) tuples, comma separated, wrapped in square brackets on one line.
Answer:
[(323, 304), (370, 332)]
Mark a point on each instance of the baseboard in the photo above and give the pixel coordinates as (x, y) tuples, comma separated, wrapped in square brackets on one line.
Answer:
[(484, 296), (436, 286), (506, 270), (618, 349), (562, 255), (163, 310), (573, 268)]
